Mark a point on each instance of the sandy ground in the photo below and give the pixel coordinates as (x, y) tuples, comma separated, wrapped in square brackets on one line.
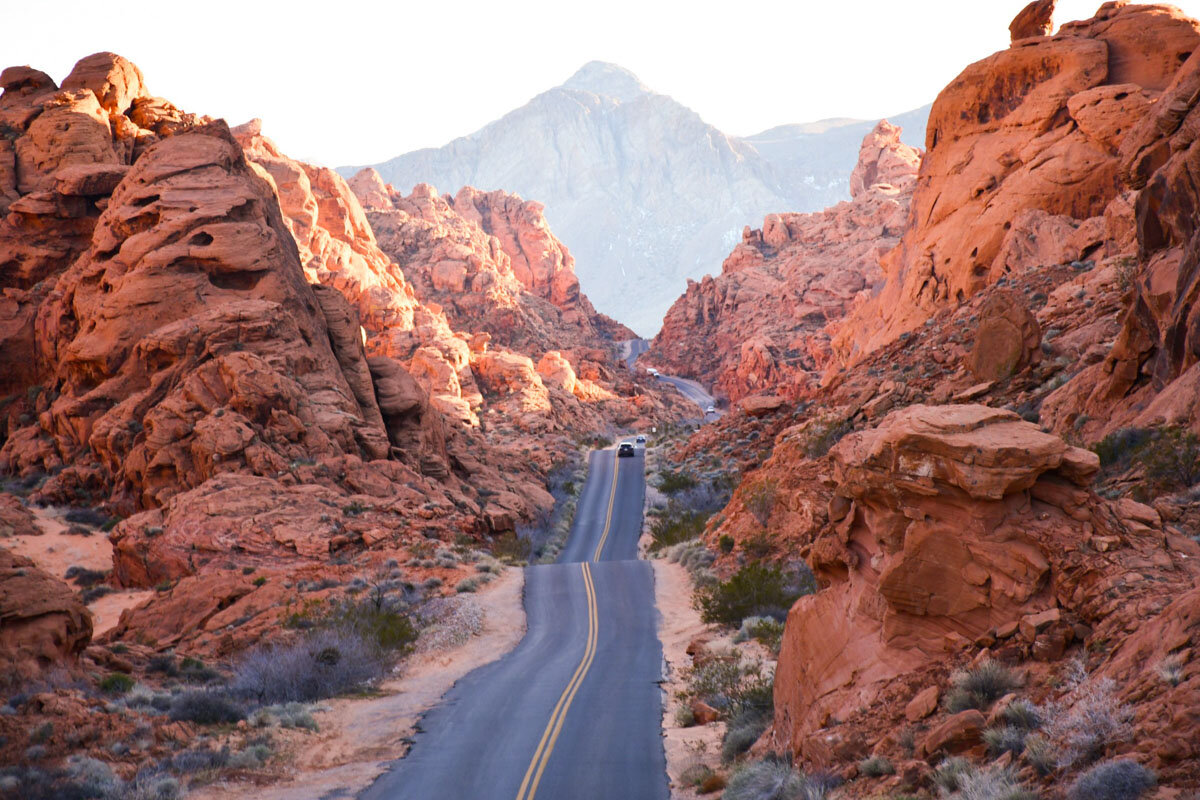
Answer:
[(55, 551), (358, 736), (679, 624)]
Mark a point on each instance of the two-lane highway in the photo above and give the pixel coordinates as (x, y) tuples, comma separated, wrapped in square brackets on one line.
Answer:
[(574, 710)]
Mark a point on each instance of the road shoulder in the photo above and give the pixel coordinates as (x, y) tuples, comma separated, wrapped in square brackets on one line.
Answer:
[(358, 736)]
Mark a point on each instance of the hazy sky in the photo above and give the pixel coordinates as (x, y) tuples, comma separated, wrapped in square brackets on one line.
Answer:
[(351, 82)]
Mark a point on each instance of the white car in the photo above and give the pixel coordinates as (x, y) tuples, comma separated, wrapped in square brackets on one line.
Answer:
[(710, 410)]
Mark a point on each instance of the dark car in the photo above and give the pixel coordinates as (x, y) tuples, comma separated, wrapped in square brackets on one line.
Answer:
[(641, 439), (625, 449)]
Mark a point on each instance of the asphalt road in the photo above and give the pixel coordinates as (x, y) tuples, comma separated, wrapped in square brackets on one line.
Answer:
[(574, 711), (632, 348)]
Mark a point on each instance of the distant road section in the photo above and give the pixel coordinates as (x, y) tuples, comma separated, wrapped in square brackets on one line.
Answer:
[(632, 348)]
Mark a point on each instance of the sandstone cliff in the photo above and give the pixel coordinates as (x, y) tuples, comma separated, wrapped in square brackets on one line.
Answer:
[(1010, 135)]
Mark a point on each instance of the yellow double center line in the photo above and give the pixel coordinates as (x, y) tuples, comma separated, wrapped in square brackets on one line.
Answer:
[(541, 756), (612, 498)]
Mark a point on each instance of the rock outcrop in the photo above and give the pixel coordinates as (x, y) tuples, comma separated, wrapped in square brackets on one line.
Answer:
[(764, 323), (945, 526), (1005, 138)]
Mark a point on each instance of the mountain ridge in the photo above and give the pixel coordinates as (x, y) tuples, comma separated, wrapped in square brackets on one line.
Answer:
[(645, 192)]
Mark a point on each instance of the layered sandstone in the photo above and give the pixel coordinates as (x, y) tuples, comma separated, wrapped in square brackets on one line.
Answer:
[(762, 324)]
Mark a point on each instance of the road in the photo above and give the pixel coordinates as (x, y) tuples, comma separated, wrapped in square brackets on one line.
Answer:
[(632, 348), (574, 711)]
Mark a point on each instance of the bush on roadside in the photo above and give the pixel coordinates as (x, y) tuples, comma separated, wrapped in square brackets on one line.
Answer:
[(765, 780), (766, 630), (742, 731), (328, 662), (670, 482), (759, 500), (754, 590), (206, 707), (731, 685)]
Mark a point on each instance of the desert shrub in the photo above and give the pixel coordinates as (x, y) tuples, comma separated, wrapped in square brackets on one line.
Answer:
[(765, 780), (87, 516), (1171, 459), (823, 434), (206, 707), (467, 585), (1021, 713), (325, 663), (1088, 720), (767, 630), (670, 482), (1040, 754), (1005, 739), (250, 758), (1170, 669), (285, 715), (1113, 780), (198, 759), (755, 589), (163, 663), (685, 717), (116, 683), (949, 774), (675, 525), (84, 577), (726, 543), (980, 686), (731, 685), (153, 787), (375, 621), (991, 783), (759, 500), (193, 670), (1120, 447), (742, 731), (876, 767), (509, 546)]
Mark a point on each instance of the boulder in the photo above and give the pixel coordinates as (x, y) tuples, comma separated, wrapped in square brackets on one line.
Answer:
[(761, 405), (1007, 340), (1035, 19), (956, 733), (923, 704), (42, 622)]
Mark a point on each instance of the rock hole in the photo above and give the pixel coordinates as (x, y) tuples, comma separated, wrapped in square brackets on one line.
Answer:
[(202, 239)]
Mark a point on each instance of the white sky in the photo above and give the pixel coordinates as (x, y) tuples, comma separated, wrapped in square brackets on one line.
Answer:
[(352, 82)]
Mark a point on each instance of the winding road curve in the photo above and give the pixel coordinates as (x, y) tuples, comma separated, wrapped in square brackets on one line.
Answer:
[(630, 349), (574, 711)]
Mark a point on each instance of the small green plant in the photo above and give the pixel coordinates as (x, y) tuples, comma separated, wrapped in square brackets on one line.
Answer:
[(767, 630), (261, 580), (1170, 669), (759, 500), (876, 767), (765, 780), (823, 434), (980, 686), (670, 482), (755, 589), (1005, 739), (1040, 754), (726, 543), (676, 525), (116, 683)]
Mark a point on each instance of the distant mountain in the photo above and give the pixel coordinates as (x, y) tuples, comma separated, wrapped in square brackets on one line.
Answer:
[(644, 192)]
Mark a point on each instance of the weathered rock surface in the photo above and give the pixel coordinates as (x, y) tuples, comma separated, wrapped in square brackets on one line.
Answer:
[(1035, 19), (42, 623), (945, 524), (1006, 137)]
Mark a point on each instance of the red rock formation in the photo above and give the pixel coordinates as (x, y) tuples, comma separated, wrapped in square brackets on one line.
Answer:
[(1035, 19), (1151, 374), (42, 623), (1006, 137), (946, 525), (761, 325)]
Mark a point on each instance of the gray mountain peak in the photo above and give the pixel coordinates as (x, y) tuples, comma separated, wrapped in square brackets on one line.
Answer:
[(607, 80)]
